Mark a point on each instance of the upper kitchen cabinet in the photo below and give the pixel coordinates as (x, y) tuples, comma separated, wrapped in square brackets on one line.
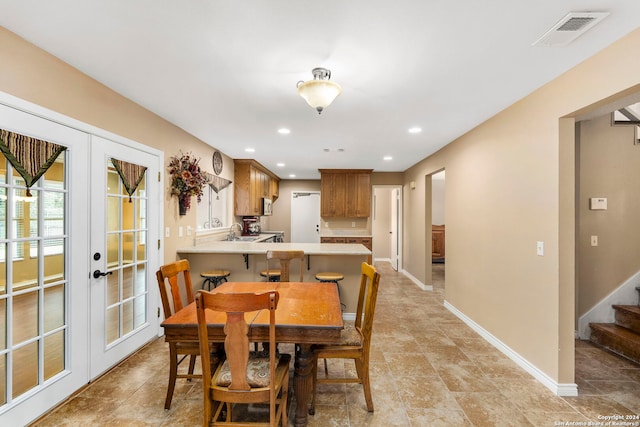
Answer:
[(345, 193), (253, 182)]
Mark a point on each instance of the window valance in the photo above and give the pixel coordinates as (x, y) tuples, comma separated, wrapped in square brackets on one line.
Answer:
[(31, 157), (130, 174)]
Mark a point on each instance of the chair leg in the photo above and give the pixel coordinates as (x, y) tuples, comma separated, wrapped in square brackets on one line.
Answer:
[(363, 373), (173, 373)]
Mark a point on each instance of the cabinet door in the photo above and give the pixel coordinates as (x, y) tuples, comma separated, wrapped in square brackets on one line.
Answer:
[(358, 200), (333, 195)]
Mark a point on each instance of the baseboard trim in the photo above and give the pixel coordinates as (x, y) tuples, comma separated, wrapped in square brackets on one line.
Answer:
[(555, 387), (417, 282)]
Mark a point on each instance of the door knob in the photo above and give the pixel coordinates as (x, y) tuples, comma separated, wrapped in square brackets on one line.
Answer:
[(97, 274)]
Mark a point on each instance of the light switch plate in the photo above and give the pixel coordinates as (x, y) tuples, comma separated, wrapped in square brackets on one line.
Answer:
[(540, 248), (598, 203)]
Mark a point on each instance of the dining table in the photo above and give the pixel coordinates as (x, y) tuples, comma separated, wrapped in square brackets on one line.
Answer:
[(308, 313)]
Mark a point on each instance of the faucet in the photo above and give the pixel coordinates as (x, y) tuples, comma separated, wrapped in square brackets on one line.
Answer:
[(232, 234)]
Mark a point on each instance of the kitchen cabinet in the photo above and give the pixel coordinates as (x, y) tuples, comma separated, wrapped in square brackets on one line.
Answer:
[(366, 241), (437, 243), (345, 193), (252, 183)]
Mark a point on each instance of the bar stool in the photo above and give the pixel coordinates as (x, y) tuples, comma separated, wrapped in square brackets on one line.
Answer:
[(214, 278), (330, 276), (273, 274)]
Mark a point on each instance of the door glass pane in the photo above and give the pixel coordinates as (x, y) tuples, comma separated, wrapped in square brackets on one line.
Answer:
[(3, 321), (127, 248), (126, 257), (25, 368), (25, 317), (127, 317), (127, 283), (53, 262), (113, 324), (53, 308), (113, 213), (113, 288), (3, 212), (3, 269), (3, 378), (113, 248), (53, 354), (25, 270)]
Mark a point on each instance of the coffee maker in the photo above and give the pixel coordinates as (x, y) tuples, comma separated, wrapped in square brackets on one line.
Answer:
[(250, 225)]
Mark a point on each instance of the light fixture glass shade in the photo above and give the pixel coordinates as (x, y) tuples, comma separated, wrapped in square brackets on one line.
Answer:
[(320, 92)]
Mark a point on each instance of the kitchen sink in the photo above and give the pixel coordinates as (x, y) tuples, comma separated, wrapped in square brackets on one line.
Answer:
[(243, 239)]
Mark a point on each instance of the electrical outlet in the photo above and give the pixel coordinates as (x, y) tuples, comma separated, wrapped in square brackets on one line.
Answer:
[(167, 232), (353, 224), (179, 231)]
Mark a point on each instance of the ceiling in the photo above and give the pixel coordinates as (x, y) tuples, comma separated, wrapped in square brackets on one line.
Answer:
[(226, 71)]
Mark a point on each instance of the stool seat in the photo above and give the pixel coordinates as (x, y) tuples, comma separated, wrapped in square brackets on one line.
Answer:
[(329, 276), (273, 274), (214, 278)]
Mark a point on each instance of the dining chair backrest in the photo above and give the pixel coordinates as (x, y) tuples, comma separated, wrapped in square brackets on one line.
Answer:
[(285, 258), (236, 347), (176, 291), (369, 283)]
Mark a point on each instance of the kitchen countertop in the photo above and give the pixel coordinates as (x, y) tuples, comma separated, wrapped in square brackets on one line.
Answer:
[(238, 247)]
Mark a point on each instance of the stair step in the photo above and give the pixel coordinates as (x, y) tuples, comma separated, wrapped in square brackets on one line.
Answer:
[(628, 316), (617, 339)]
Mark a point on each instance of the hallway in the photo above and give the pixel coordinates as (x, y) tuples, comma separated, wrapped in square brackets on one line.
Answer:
[(427, 368)]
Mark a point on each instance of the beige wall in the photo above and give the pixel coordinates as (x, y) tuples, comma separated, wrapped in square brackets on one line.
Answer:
[(609, 167), (42, 79), (510, 183)]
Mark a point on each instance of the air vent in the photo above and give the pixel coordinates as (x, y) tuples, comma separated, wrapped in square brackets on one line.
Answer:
[(569, 28)]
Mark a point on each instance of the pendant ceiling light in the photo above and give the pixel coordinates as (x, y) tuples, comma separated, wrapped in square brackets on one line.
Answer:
[(319, 92)]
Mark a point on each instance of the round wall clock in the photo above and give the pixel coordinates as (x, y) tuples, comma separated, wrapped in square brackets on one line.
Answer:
[(217, 162)]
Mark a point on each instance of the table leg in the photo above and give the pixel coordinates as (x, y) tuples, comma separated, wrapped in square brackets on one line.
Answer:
[(302, 382)]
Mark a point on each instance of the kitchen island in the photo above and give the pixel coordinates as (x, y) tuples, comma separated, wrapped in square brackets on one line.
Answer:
[(246, 259)]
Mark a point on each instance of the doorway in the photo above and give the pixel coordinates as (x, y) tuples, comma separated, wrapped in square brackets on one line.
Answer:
[(305, 217), (387, 224)]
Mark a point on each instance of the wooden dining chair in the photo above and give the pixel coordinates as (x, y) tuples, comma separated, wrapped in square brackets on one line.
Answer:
[(355, 340), (176, 291), (243, 377), (285, 258)]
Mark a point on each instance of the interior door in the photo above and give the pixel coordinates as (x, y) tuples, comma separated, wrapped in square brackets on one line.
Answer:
[(43, 280), (124, 254), (395, 237), (305, 217)]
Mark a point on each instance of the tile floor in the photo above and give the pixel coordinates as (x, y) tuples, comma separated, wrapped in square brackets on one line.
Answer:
[(427, 368)]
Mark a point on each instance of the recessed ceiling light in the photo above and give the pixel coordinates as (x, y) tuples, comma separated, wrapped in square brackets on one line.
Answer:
[(284, 131), (250, 150), (387, 158), (280, 165), (292, 175), (415, 130)]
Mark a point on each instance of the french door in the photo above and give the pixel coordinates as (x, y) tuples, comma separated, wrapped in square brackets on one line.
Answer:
[(124, 253), (43, 294), (59, 326)]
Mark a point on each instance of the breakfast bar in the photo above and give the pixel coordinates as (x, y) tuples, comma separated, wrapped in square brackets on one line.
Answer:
[(245, 260)]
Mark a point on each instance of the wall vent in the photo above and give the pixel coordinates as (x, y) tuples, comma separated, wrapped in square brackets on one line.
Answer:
[(569, 28)]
